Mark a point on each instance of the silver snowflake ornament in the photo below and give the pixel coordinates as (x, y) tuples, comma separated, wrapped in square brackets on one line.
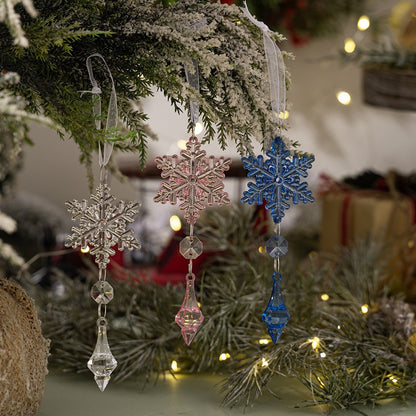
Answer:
[(277, 179), (102, 225), (194, 180)]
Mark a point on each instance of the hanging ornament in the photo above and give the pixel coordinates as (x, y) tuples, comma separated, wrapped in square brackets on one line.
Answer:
[(102, 225), (277, 180), (195, 181)]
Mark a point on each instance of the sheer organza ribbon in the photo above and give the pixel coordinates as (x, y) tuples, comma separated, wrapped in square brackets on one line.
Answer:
[(192, 77), (275, 66), (193, 80), (104, 153)]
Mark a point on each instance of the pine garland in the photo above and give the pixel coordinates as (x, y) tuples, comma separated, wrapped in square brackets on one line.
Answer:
[(11, 18), (146, 45), (346, 356)]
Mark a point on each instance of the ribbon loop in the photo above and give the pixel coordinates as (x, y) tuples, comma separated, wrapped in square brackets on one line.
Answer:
[(96, 90), (192, 77), (275, 68), (193, 80), (112, 114)]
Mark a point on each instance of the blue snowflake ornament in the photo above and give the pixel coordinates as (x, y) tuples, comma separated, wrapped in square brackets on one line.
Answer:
[(277, 179)]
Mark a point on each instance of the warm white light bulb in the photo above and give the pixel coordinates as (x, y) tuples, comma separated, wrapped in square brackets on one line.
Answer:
[(85, 249), (364, 309), (349, 45), (322, 355), (314, 342), (174, 365), (284, 116), (224, 356), (264, 362), (198, 128), (181, 144), (264, 341), (394, 380), (363, 23), (175, 223), (344, 97), (324, 297)]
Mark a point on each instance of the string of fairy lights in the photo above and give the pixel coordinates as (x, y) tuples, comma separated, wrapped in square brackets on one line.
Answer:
[(314, 342), (350, 45), (344, 98)]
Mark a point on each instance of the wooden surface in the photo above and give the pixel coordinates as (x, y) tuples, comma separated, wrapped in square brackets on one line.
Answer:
[(195, 395), (131, 169)]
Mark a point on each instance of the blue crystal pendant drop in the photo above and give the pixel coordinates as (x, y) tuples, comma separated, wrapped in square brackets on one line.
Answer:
[(276, 315)]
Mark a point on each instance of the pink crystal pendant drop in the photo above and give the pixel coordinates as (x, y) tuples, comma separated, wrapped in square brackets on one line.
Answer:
[(195, 181), (189, 316)]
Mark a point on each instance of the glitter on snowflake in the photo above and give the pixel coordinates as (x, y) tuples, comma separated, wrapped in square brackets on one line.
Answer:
[(102, 225), (277, 179), (194, 179)]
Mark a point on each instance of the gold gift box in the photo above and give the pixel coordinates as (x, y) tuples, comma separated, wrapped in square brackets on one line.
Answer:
[(352, 215)]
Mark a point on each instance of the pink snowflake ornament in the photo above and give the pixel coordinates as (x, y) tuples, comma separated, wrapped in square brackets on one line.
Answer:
[(193, 179)]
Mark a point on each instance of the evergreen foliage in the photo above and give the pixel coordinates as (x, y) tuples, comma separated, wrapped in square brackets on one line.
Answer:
[(13, 130), (146, 45), (343, 356)]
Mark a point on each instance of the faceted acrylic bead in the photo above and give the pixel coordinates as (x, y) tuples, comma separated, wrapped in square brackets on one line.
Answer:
[(276, 315), (190, 247), (277, 246), (102, 292), (102, 362), (189, 317)]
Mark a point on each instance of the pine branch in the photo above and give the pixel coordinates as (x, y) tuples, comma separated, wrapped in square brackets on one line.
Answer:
[(145, 44), (345, 356)]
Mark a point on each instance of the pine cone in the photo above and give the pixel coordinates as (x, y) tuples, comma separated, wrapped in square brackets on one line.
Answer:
[(392, 318), (23, 353)]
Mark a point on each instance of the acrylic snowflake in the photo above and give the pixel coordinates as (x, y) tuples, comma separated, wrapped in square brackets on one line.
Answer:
[(277, 179), (194, 180), (102, 225)]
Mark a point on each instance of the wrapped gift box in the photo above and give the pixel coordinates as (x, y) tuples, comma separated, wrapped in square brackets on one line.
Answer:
[(351, 215)]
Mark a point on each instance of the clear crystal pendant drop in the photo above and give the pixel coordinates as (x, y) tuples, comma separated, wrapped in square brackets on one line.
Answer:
[(102, 362), (276, 315), (189, 316)]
